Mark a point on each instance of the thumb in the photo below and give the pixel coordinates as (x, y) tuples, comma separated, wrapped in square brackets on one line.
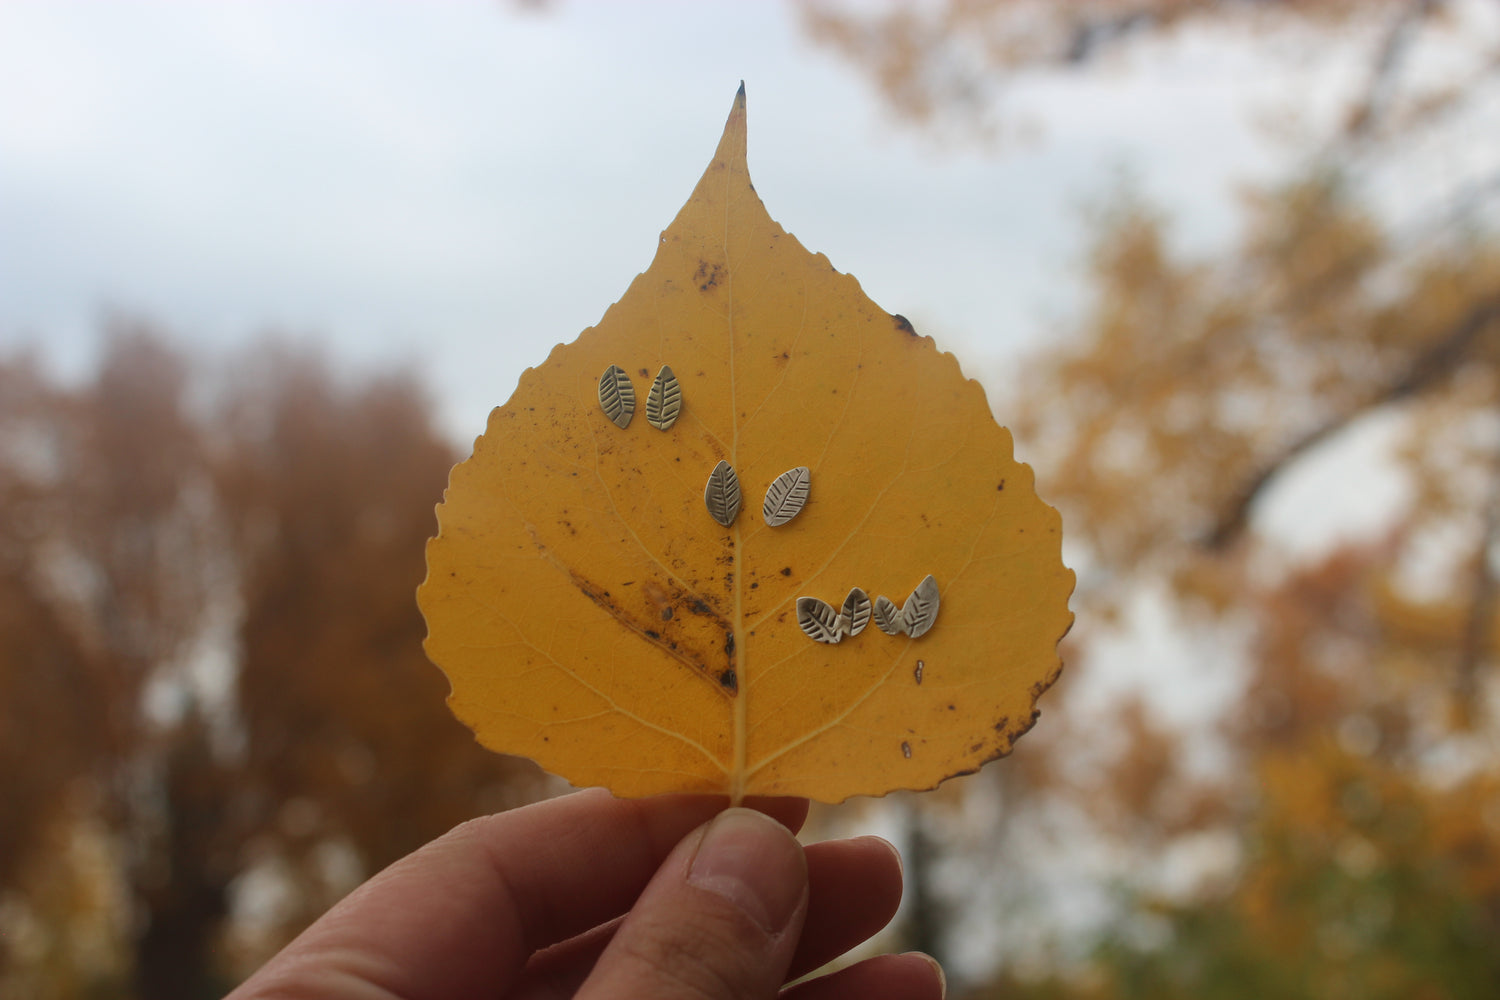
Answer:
[(719, 920)]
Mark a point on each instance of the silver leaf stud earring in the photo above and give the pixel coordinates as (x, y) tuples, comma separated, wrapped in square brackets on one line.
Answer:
[(617, 396), (915, 617), (786, 496), (823, 624), (722, 494), (664, 401)]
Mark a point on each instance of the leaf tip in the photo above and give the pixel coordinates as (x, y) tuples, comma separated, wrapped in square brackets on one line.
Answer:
[(732, 145)]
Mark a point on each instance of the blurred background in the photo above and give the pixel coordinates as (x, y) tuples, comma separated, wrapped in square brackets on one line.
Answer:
[(1229, 269)]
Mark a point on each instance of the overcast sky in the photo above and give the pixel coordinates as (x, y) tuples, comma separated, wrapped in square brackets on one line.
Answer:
[(458, 186)]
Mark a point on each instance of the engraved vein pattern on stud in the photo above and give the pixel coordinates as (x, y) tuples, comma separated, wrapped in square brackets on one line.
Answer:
[(855, 614), (664, 402), (915, 617), (787, 495), (819, 620), (617, 396), (722, 494), (888, 616), (921, 608)]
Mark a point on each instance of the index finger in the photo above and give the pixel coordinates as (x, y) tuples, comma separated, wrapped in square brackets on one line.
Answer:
[(462, 915)]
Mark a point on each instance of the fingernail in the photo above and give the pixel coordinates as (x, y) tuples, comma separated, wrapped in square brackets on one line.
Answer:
[(900, 865), (936, 968), (755, 863)]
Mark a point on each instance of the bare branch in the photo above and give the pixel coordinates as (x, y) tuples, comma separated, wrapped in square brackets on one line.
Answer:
[(1091, 34), (1426, 369), (1389, 59), (1481, 621)]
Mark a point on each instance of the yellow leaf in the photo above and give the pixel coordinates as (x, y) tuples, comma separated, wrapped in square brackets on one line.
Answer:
[(592, 613)]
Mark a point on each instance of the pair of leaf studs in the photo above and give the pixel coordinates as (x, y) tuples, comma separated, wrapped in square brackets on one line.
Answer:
[(785, 497), (617, 398), (914, 618)]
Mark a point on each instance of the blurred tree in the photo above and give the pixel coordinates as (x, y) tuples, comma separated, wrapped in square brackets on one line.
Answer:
[(1355, 777), (210, 656), (1361, 788), (43, 659), (1366, 867), (329, 492), (103, 566), (945, 66)]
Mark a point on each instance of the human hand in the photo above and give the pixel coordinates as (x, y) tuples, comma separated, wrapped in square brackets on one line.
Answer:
[(593, 896)]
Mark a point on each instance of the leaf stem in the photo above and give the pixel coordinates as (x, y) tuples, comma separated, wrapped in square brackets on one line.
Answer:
[(738, 767), (741, 695)]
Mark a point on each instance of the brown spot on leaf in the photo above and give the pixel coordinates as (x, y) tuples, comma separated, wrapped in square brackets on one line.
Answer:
[(627, 618), (903, 324), (707, 275), (786, 571), (729, 682), (906, 749), (656, 595)]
